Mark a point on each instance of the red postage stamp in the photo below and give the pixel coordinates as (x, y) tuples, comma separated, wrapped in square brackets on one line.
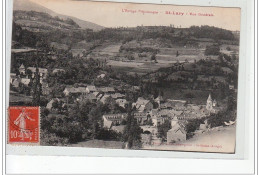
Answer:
[(24, 124)]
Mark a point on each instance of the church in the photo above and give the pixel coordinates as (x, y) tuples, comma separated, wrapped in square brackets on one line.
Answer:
[(211, 104)]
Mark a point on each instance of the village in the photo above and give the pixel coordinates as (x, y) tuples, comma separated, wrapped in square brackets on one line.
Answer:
[(136, 86), (149, 113)]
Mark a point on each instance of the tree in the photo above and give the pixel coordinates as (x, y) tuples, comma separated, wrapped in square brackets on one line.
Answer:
[(163, 129), (212, 50), (193, 125), (228, 48), (132, 131), (153, 57), (36, 86), (177, 53)]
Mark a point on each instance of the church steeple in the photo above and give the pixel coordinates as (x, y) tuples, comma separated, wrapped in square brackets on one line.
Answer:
[(209, 98), (209, 105)]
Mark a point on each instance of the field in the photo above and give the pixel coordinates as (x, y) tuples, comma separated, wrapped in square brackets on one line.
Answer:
[(110, 49), (137, 67), (165, 58)]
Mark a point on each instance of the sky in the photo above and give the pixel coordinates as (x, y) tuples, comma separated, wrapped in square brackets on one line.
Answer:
[(109, 14)]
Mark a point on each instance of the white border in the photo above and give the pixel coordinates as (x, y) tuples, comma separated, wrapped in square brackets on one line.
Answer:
[(67, 164)]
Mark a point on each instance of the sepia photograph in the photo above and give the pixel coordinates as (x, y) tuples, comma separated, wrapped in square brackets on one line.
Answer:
[(119, 75)]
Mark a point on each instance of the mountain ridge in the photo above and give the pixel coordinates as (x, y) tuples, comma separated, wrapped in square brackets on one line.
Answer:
[(27, 5)]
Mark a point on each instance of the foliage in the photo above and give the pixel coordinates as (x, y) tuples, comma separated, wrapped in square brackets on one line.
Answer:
[(51, 139), (132, 132), (212, 50), (36, 88), (224, 116), (105, 134), (163, 129), (193, 125), (211, 32)]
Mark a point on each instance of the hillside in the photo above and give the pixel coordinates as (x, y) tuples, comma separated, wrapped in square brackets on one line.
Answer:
[(27, 5), (42, 22)]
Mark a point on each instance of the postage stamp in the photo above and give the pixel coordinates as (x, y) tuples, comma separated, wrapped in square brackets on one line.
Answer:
[(24, 125)]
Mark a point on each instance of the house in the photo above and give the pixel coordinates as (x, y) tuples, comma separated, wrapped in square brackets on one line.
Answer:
[(22, 69), (15, 83), (166, 105), (104, 98), (146, 138), (118, 129), (176, 134), (45, 88), (91, 89), (57, 70), (143, 105), (173, 104), (107, 89), (50, 104), (121, 102), (158, 100), (74, 91), (42, 71), (117, 95), (158, 120), (110, 120), (90, 97), (152, 129), (101, 76), (231, 87), (99, 96), (141, 117), (25, 81), (12, 77), (227, 70), (135, 88), (96, 93)]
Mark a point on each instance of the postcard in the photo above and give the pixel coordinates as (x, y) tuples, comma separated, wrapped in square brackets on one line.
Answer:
[(117, 75)]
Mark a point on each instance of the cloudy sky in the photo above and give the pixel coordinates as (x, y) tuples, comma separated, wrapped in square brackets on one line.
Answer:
[(109, 14)]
